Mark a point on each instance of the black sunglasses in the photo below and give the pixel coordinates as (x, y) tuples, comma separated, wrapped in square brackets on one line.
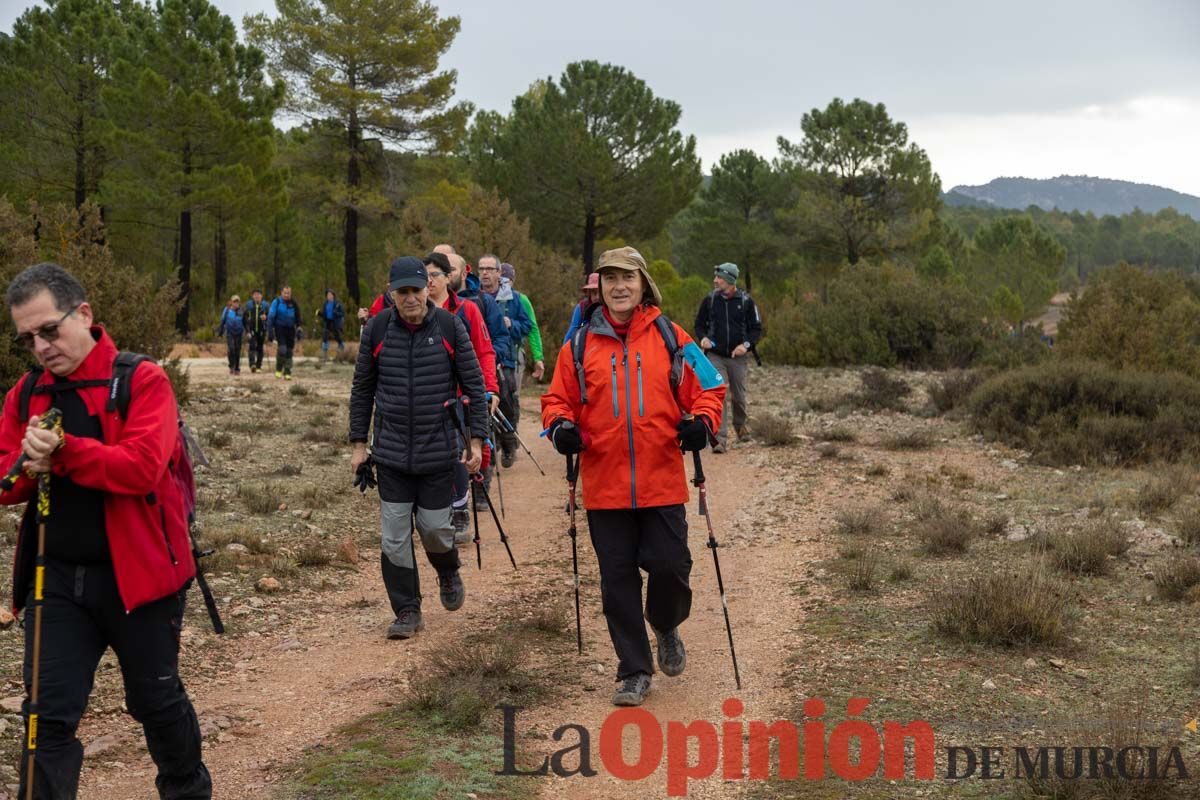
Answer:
[(47, 333)]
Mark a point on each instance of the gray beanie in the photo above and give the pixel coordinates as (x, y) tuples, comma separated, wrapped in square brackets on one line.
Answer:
[(727, 271)]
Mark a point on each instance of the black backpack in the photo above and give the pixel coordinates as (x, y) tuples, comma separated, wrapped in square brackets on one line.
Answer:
[(665, 329)]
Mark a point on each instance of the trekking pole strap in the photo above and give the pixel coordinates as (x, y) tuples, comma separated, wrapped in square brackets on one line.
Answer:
[(698, 479)]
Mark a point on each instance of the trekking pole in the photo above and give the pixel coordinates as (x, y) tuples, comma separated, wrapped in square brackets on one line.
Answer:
[(572, 475), (51, 420), (475, 517), (698, 480), (477, 481), (498, 416)]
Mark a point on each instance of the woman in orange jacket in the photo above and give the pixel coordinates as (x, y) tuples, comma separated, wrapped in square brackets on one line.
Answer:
[(629, 406)]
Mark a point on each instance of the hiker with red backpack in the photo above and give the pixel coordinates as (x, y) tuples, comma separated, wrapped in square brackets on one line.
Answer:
[(626, 401), (442, 272), (117, 559), (414, 361)]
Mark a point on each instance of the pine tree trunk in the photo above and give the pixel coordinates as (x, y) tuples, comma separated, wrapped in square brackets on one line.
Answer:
[(589, 245), (350, 230), (220, 259), (276, 260), (185, 247)]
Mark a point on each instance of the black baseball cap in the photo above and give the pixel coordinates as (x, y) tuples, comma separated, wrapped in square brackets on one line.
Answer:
[(407, 271)]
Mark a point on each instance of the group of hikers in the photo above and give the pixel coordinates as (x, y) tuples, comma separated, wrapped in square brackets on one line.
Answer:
[(108, 560), (279, 321)]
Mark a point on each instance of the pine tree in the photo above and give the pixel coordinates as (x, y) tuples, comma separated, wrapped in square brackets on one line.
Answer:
[(366, 69)]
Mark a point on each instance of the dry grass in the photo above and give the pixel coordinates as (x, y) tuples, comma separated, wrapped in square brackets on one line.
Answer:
[(910, 440), (462, 682), (313, 554), (1177, 577), (861, 577), (219, 439), (838, 433), (946, 530), (994, 523), (553, 617), (881, 391), (900, 572), (828, 450), (298, 390), (1026, 606), (1088, 550), (260, 498), (773, 430), (863, 521), (1187, 523), (1161, 492), (878, 470), (288, 470)]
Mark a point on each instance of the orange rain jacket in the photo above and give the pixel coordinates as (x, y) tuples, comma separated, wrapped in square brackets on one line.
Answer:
[(632, 458)]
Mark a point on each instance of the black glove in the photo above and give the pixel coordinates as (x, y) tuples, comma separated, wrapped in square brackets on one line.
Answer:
[(364, 476), (566, 438), (694, 434)]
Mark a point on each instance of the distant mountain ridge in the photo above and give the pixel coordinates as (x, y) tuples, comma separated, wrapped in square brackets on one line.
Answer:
[(1074, 193)]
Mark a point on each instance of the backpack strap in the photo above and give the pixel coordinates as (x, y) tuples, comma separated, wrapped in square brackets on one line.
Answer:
[(667, 330), (120, 388), (578, 345), (27, 389)]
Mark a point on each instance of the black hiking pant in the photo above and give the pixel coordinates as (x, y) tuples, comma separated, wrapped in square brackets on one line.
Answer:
[(510, 406), (286, 337), (81, 616), (233, 347), (408, 501), (628, 541), (254, 349)]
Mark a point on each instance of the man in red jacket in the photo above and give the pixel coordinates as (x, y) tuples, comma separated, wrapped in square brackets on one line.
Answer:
[(118, 558)]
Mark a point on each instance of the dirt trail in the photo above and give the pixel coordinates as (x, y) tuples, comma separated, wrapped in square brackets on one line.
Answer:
[(292, 687)]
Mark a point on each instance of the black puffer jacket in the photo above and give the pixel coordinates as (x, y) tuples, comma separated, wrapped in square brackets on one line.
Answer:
[(407, 381)]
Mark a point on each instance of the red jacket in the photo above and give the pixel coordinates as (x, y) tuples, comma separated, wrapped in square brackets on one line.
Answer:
[(143, 510), (481, 340), (632, 459)]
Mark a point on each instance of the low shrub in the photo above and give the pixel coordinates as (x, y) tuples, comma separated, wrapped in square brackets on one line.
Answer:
[(909, 440), (1018, 607), (861, 577), (1070, 412), (773, 430), (1162, 491), (953, 389), (1088, 550), (881, 391), (1177, 576), (947, 530), (863, 521), (463, 682)]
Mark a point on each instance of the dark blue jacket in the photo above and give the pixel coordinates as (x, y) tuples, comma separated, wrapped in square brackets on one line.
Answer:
[(493, 317), (284, 314), (514, 309)]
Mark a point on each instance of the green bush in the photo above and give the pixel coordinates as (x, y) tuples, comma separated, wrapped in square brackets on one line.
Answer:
[(1070, 412), (1135, 319), (138, 314), (885, 316)]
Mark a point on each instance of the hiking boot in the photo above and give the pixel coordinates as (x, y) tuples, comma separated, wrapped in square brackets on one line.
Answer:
[(461, 519), (506, 459), (451, 589), (671, 655), (406, 625), (743, 434), (633, 690), (718, 448), (287, 376), (278, 373), (481, 504)]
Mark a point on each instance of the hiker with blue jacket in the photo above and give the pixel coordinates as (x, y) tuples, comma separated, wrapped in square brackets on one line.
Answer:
[(518, 326), (283, 326), (254, 318), (415, 362), (232, 327), (333, 318)]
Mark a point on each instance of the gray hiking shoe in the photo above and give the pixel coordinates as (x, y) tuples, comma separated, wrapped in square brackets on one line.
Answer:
[(461, 519), (406, 625), (451, 589), (671, 656), (633, 690), (718, 448)]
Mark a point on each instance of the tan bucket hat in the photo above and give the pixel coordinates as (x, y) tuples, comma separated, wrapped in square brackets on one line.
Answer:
[(630, 259)]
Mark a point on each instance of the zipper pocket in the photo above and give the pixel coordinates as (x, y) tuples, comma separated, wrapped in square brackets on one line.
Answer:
[(616, 407), (151, 499), (641, 405)]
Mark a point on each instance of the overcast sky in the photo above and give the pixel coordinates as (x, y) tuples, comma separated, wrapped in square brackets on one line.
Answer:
[(1036, 88)]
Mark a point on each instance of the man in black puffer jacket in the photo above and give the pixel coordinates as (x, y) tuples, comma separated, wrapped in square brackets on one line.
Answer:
[(413, 359)]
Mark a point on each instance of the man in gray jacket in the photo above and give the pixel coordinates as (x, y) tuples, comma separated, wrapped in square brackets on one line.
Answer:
[(412, 364)]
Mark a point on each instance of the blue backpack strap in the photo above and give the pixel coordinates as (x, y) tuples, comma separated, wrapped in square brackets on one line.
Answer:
[(667, 330)]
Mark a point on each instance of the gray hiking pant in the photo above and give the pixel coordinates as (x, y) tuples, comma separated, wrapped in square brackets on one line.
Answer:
[(401, 494), (733, 370)]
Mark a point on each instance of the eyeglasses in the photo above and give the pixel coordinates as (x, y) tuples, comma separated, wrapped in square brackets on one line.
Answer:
[(47, 333), (489, 269), (433, 273)]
